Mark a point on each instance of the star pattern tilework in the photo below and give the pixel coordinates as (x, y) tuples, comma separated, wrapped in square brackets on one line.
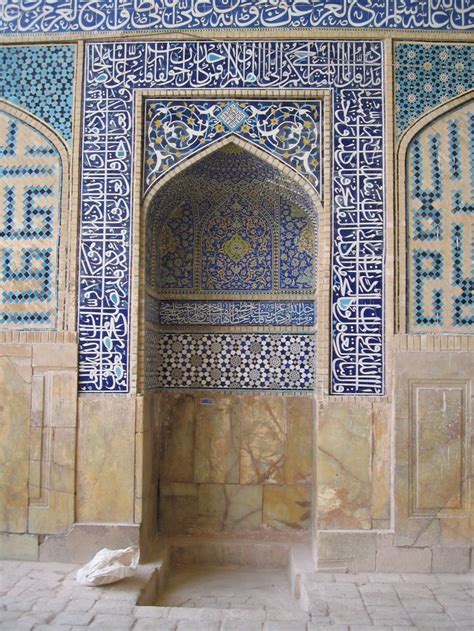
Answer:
[(40, 79), (428, 75), (230, 361)]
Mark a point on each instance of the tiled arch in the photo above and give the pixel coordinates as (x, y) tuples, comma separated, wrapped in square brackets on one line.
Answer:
[(319, 217), (34, 170), (406, 290)]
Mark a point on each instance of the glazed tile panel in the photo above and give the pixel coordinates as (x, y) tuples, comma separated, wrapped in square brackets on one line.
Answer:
[(232, 223), (428, 75), (290, 131), (440, 204), (229, 313), (40, 80), (30, 190), (229, 361), (59, 16), (353, 70)]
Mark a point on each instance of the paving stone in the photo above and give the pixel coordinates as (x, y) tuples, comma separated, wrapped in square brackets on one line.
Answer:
[(427, 579), (365, 627), (196, 625), (327, 627), (112, 606), (381, 599), (467, 579), (285, 625), (413, 591), (284, 614), (80, 604), (240, 625), (73, 617), (431, 620), (151, 612), (422, 604), (155, 624), (381, 577), (50, 604), (111, 622), (388, 615), (9, 615), (318, 577), (351, 617), (245, 614)]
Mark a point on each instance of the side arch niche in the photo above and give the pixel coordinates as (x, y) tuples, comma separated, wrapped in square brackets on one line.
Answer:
[(437, 203), (231, 241), (33, 181), (229, 288)]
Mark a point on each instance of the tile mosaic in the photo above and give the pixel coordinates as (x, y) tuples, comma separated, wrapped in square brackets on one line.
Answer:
[(427, 75), (287, 129), (232, 223), (62, 16), (235, 361), (440, 212), (30, 185), (352, 69), (40, 79), (229, 313)]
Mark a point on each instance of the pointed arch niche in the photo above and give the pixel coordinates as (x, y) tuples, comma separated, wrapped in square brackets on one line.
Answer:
[(230, 282), (436, 221), (33, 228)]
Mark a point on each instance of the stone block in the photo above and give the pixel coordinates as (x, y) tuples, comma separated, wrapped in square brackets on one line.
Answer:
[(396, 559), (287, 507), (356, 551), (55, 517), (263, 432), (106, 459), (62, 394), (21, 547), (229, 507), (298, 463), (54, 355), (381, 465), (178, 419), (344, 474), (217, 440), (15, 402), (178, 507), (455, 560)]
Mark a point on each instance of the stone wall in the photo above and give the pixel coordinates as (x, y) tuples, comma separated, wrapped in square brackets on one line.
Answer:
[(38, 401), (234, 462)]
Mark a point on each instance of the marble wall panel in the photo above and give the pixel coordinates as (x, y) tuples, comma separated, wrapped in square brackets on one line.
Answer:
[(344, 463), (106, 460), (177, 416), (15, 407), (433, 476), (262, 440), (287, 507), (217, 450)]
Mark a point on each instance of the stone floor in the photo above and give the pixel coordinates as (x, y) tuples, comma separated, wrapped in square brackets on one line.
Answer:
[(228, 588), (46, 596)]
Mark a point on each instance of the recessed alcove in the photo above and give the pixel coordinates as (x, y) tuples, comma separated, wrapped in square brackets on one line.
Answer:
[(230, 329)]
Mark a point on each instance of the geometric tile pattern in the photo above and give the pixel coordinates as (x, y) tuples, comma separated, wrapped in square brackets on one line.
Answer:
[(354, 72), (30, 194), (229, 313), (62, 16), (236, 361), (231, 223), (440, 199), (428, 75), (288, 130), (40, 80)]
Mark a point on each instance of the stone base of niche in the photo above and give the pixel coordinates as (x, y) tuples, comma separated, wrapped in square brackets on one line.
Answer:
[(376, 552)]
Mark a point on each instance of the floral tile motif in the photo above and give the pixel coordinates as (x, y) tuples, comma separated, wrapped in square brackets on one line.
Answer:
[(290, 131), (428, 75), (61, 16), (40, 79), (30, 189), (232, 361), (232, 223), (353, 70)]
